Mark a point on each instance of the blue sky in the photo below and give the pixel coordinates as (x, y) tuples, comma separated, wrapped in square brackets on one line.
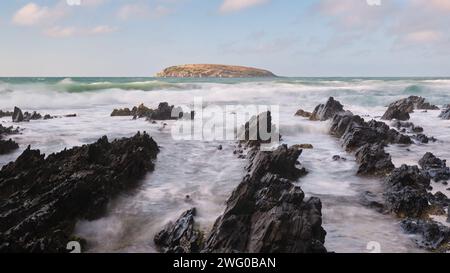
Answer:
[(288, 37)]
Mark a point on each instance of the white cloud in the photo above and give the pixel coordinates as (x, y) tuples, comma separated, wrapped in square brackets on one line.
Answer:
[(424, 36), (32, 14), (142, 10), (66, 32), (237, 5)]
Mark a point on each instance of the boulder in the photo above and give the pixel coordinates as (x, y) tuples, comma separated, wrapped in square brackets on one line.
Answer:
[(421, 138), (7, 146), (401, 109), (17, 115), (41, 198), (373, 160), (327, 111), (435, 168), (258, 130), (164, 112), (445, 114), (5, 114), (266, 213), (181, 236), (303, 113), (406, 192), (434, 236)]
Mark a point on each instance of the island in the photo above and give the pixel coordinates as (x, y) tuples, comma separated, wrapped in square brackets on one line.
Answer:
[(213, 71)]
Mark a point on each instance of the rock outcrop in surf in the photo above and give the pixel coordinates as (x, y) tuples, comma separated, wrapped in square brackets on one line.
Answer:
[(42, 198)]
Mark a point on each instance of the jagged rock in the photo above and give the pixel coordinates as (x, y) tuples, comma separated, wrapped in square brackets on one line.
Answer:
[(303, 113), (421, 138), (124, 112), (439, 200), (17, 115), (401, 109), (42, 198), (5, 114), (31, 116), (406, 127), (372, 200), (7, 146), (355, 132), (137, 111), (258, 130), (445, 114), (373, 160), (434, 236), (164, 112), (435, 168), (303, 146), (181, 236), (266, 213), (327, 111), (338, 158), (406, 192)]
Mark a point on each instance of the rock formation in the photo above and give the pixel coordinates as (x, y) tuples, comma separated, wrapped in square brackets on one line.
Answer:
[(327, 111), (401, 109), (8, 145), (41, 198)]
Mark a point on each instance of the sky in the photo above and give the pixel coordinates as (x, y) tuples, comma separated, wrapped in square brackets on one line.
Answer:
[(309, 38)]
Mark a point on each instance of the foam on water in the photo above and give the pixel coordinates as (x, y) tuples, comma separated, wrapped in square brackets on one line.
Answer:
[(198, 169)]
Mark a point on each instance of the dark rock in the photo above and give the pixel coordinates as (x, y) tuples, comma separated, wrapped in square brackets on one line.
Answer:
[(5, 114), (42, 198), (434, 167), (421, 138), (124, 112), (303, 146), (373, 160), (31, 116), (266, 213), (406, 192), (339, 158), (181, 236), (372, 200), (355, 132), (17, 115), (47, 117), (401, 109), (70, 116), (258, 130), (164, 112), (219, 147), (438, 199), (7, 146), (303, 113), (434, 236), (327, 111), (407, 127), (445, 114)]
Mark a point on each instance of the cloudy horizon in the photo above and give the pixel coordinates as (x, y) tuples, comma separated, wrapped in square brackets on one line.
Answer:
[(313, 38)]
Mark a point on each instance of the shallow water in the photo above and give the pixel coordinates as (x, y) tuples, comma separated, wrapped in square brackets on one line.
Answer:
[(207, 175)]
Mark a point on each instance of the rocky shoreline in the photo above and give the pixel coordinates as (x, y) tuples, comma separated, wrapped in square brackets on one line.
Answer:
[(407, 188)]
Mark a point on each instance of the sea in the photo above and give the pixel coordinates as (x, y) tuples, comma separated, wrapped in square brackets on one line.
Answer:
[(208, 175)]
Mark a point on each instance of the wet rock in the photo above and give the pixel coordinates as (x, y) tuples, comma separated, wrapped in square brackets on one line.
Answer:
[(371, 200), (303, 146), (41, 198), (434, 236), (266, 213), (124, 112), (17, 115), (406, 127), (338, 158), (327, 111), (421, 138), (406, 192), (7, 145), (445, 114), (164, 112), (434, 167), (401, 109), (46, 117), (355, 132), (373, 160), (439, 199), (70, 116), (5, 114), (31, 116), (303, 113), (182, 236), (258, 130), (219, 147)]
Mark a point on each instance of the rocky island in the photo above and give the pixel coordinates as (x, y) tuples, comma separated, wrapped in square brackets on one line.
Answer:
[(213, 71)]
